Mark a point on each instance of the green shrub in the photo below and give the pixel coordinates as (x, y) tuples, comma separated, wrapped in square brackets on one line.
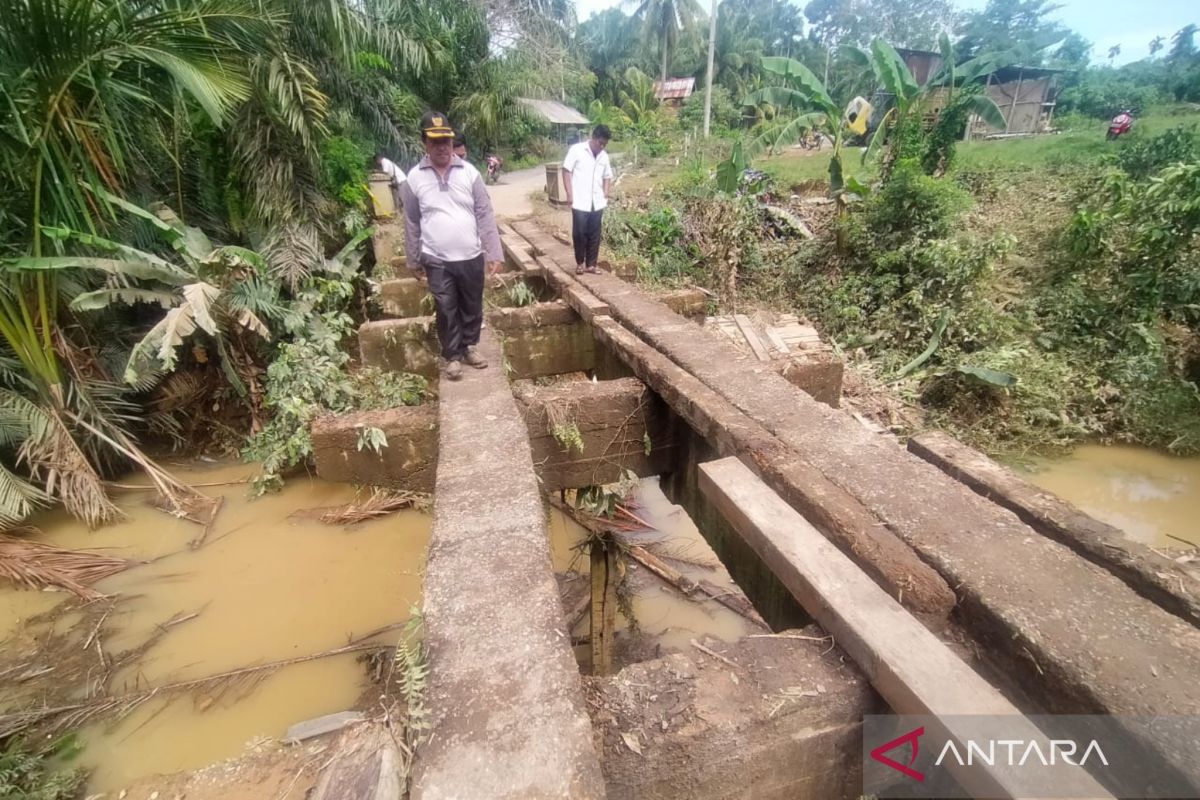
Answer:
[(344, 170), (310, 376), (1103, 94), (912, 205), (25, 773), (1141, 158), (725, 115)]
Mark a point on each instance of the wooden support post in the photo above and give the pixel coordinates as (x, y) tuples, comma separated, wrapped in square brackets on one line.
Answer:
[(604, 604)]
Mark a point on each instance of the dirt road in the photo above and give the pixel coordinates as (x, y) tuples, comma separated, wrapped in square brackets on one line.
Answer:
[(510, 196)]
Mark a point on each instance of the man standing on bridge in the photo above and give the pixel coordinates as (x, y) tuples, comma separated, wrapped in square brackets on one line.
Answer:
[(449, 228), (588, 178)]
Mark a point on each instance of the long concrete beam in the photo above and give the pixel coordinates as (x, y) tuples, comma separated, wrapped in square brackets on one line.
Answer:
[(504, 694), (843, 519)]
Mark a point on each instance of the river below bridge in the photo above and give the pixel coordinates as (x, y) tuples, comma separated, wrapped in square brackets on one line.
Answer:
[(271, 583), (1149, 495)]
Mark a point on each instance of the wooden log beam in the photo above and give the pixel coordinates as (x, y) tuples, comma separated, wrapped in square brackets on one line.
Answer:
[(908, 665)]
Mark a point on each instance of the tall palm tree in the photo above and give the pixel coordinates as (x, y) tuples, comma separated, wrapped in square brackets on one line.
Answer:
[(81, 81), (663, 20), (611, 45)]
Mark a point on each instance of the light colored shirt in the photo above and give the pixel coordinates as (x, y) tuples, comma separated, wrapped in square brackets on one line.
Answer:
[(588, 174), (388, 166), (447, 220)]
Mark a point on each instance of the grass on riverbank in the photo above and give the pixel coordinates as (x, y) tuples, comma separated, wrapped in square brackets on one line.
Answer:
[(1081, 141)]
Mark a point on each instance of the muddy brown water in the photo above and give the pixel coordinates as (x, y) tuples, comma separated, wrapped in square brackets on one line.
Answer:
[(1149, 495), (264, 587), (268, 586)]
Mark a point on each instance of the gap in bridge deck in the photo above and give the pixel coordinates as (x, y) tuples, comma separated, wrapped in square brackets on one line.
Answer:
[(664, 619)]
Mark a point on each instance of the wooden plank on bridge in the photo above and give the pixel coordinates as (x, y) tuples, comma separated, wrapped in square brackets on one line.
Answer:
[(907, 664), (777, 340), (747, 329)]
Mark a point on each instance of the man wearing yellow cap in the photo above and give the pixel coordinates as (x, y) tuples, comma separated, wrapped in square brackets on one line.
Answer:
[(449, 231)]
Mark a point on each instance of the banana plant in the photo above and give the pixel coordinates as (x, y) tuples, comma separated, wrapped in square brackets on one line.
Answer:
[(221, 291), (802, 93), (948, 83)]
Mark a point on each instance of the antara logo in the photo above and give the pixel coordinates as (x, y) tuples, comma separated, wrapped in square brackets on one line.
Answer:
[(985, 753), (1006, 752), (909, 738)]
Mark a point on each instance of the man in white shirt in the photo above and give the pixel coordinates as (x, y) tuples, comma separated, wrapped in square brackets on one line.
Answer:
[(588, 178), (395, 174), (449, 230)]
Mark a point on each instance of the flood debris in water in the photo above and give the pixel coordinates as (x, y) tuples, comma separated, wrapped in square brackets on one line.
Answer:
[(655, 555), (670, 588), (208, 691), (379, 503), (37, 565), (194, 652)]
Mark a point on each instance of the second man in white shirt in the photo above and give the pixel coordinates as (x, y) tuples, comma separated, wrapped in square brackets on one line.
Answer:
[(588, 177)]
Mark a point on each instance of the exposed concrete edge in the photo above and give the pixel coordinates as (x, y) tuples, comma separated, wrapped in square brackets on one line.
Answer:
[(908, 665), (407, 463), (1151, 575), (724, 739), (537, 315), (504, 694), (519, 253), (892, 563), (615, 419), (691, 303)]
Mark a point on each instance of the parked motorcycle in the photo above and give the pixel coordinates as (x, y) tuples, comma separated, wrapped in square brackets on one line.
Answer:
[(1121, 124), (493, 169)]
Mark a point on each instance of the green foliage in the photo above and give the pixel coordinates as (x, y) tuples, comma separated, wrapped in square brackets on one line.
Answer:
[(1142, 157), (568, 436), (344, 171), (725, 115), (372, 439), (25, 773), (519, 294), (912, 207), (411, 668), (309, 376), (1102, 94)]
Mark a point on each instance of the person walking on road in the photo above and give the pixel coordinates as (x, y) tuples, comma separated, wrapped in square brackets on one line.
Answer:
[(588, 178), (450, 229)]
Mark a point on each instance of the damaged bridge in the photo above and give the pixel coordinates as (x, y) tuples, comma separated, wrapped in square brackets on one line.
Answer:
[(948, 585)]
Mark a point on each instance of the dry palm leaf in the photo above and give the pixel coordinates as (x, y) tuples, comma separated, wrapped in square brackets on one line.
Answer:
[(381, 503), (38, 565), (208, 690)]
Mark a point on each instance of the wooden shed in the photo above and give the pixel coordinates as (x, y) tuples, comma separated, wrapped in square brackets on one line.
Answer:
[(1026, 95)]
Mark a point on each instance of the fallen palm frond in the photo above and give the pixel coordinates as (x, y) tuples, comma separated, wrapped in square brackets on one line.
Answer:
[(381, 503), (75, 715), (38, 565), (412, 675)]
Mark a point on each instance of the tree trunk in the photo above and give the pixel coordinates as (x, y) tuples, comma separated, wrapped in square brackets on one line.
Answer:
[(665, 52)]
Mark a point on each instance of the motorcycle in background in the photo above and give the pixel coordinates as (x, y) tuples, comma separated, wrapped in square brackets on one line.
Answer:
[(1121, 124), (493, 169)]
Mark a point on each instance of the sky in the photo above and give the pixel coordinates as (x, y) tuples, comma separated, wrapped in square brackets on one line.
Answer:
[(1105, 23)]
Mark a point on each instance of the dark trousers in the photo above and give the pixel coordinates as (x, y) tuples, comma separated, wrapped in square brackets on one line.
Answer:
[(457, 289), (585, 234)]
